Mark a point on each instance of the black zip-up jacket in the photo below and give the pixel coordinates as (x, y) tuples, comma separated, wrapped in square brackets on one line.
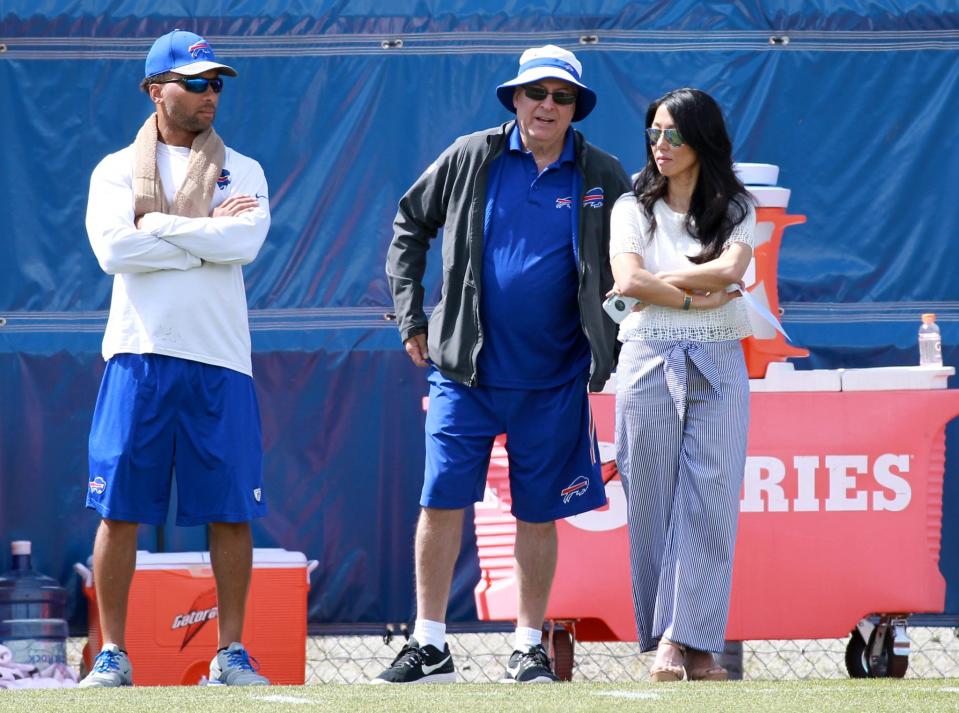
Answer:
[(451, 194)]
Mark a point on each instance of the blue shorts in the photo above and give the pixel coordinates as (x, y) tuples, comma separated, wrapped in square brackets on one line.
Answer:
[(554, 464), (156, 415)]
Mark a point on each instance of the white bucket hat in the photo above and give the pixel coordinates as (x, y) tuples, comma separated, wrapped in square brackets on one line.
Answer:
[(549, 62)]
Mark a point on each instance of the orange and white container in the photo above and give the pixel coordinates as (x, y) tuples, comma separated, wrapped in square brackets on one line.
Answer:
[(171, 618)]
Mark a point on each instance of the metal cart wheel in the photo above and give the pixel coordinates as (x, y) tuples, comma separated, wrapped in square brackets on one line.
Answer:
[(892, 666), (560, 643), (872, 659), (856, 663)]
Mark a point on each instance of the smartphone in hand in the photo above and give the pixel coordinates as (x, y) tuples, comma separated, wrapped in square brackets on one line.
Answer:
[(619, 307)]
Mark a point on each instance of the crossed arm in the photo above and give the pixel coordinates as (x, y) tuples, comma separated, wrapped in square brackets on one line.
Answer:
[(706, 284), (125, 243)]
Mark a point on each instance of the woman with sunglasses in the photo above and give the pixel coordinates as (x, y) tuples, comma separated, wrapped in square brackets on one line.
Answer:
[(680, 243)]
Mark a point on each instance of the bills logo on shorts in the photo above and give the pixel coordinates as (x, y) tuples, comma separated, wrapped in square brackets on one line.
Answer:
[(594, 198), (224, 180), (200, 50), (566, 202), (579, 486), (98, 485)]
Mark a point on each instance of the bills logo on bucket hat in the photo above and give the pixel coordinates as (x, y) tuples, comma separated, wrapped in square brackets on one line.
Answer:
[(184, 53), (549, 62)]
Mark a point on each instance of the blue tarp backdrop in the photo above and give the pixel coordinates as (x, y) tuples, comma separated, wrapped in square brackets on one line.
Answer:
[(344, 104)]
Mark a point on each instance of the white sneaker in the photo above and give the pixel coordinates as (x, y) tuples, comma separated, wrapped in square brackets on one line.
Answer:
[(232, 666), (110, 669)]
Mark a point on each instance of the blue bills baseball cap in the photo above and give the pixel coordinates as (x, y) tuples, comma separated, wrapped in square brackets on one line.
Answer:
[(184, 53)]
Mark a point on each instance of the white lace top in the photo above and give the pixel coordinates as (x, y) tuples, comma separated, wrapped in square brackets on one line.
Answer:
[(668, 250)]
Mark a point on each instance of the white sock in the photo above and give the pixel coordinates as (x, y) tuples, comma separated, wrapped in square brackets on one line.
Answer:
[(526, 638), (430, 633)]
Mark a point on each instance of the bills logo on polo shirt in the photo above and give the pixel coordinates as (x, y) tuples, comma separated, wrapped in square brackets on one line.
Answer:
[(98, 485), (200, 50), (566, 202), (579, 486), (224, 180), (594, 198)]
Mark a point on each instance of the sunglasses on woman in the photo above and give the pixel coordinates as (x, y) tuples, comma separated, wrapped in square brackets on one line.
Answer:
[(538, 94), (673, 136), (196, 85)]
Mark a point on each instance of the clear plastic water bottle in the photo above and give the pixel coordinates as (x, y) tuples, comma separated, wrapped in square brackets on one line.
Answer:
[(32, 612), (930, 341)]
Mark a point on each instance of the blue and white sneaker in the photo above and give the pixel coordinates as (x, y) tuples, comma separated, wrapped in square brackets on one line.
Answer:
[(110, 669), (232, 667)]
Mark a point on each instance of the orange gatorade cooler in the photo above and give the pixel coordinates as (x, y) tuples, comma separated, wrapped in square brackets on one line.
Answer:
[(171, 619)]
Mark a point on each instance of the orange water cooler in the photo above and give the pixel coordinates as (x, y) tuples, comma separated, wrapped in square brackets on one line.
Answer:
[(171, 619)]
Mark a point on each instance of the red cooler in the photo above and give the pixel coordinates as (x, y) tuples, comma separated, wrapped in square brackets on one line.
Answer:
[(171, 619)]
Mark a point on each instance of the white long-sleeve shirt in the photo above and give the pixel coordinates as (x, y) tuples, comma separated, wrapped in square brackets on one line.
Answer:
[(177, 282)]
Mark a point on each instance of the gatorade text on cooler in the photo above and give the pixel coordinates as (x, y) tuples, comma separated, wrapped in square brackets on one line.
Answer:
[(930, 342)]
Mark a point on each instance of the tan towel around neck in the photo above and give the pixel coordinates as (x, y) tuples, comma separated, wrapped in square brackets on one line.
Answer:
[(192, 198)]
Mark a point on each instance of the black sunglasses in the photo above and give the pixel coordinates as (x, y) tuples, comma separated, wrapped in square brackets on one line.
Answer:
[(673, 136), (197, 85), (538, 94)]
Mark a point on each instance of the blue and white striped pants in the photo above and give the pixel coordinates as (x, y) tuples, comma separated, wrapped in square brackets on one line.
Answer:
[(682, 419)]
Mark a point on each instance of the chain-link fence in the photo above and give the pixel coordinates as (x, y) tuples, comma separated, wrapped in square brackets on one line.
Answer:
[(481, 657)]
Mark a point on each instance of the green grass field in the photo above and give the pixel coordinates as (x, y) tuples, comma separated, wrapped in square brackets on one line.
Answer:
[(749, 697)]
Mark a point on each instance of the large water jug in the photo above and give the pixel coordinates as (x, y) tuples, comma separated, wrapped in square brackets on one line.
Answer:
[(32, 611)]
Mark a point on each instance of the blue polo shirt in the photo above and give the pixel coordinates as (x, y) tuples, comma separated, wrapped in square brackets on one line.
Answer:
[(532, 335)]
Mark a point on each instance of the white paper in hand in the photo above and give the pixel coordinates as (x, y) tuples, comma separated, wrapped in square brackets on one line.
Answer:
[(759, 308)]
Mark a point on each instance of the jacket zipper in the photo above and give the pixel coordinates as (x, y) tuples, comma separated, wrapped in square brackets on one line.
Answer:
[(472, 381)]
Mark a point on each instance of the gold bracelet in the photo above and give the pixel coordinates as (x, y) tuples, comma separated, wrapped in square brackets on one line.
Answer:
[(687, 300)]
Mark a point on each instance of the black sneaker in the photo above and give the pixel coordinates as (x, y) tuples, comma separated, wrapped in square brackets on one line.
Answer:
[(531, 666), (419, 664)]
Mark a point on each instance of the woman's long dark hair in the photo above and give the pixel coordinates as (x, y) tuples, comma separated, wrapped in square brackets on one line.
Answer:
[(720, 201)]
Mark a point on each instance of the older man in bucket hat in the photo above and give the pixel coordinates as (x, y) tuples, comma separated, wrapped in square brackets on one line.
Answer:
[(518, 338), (173, 217)]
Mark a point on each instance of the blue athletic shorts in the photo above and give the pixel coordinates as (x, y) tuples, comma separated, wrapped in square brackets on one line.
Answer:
[(554, 464), (156, 415)]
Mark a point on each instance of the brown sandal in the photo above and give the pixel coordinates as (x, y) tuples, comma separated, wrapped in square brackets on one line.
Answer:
[(663, 673), (714, 672)]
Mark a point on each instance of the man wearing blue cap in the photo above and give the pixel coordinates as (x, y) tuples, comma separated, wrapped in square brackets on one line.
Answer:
[(173, 217), (517, 339)]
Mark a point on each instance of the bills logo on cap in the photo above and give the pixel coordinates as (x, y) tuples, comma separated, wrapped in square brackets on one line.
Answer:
[(200, 50), (224, 180), (579, 486), (594, 198), (564, 202), (98, 485)]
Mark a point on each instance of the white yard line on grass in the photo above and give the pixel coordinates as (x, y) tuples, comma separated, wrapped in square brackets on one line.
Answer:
[(277, 698), (629, 694)]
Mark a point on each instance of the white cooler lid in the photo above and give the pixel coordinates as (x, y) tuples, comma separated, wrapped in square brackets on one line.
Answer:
[(896, 378), (262, 557), (770, 196), (759, 174)]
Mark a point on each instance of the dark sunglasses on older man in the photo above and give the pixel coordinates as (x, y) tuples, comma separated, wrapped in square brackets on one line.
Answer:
[(197, 85), (538, 94), (673, 136)]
